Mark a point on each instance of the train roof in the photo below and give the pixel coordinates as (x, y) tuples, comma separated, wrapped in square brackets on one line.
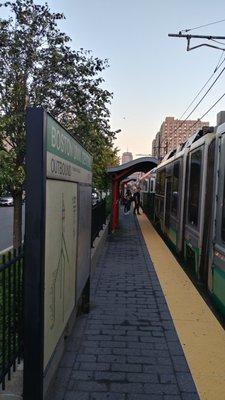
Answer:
[(184, 147), (220, 129)]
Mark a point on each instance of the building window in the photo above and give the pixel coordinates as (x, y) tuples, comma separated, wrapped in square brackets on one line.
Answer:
[(194, 187)]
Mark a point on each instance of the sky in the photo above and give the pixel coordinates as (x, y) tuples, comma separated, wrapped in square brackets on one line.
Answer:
[(151, 75)]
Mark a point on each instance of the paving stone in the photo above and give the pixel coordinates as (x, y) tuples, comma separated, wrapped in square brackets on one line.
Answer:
[(141, 359), (127, 367), (111, 358), (94, 366), (99, 351), (190, 396), (110, 376), (185, 382), (144, 397), (113, 344), (68, 359), (158, 388), (172, 397), (128, 352), (167, 378), (142, 377), (159, 369), (82, 375), (89, 386), (127, 387), (107, 396), (180, 363), (76, 396), (86, 358)]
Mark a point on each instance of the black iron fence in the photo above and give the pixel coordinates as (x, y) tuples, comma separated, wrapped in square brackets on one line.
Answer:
[(11, 312), (98, 219)]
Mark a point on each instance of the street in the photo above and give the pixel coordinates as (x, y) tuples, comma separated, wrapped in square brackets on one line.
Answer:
[(6, 226)]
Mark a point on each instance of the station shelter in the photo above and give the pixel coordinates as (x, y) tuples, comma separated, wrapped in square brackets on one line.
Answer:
[(119, 173)]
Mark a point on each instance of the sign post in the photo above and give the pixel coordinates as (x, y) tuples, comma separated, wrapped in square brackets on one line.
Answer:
[(56, 166)]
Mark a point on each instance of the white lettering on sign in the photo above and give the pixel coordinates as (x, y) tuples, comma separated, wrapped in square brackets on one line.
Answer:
[(66, 146)]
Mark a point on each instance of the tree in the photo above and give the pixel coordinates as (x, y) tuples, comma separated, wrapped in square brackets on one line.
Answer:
[(38, 68)]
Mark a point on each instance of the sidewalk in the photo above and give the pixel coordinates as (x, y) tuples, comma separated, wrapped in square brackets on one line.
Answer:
[(127, 347)]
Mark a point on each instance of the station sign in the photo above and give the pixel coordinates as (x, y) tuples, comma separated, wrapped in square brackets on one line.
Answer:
[(56, 165), (66, 158)]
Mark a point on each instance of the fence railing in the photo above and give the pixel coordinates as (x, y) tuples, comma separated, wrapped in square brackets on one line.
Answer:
[(98, 219), (11, 312)]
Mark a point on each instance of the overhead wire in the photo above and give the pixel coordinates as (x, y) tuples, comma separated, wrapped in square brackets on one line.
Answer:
[(199, 119), (203, 87), (202, 98), (202, 26), (217, 41)]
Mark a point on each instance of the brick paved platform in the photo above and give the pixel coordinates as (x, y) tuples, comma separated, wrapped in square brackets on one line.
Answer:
[(127, 347)]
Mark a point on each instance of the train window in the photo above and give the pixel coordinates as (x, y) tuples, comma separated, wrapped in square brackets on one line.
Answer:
[(194, 187), (151, 186), (160, 182), (223, 216), (175, 188)]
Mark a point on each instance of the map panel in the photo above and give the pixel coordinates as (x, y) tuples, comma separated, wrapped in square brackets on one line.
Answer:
[(60, 260)]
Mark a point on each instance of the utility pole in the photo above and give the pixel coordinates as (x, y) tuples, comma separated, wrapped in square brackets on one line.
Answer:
[(208, 37)]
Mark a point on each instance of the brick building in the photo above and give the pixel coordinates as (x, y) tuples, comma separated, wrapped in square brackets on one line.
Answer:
[(172, 134)]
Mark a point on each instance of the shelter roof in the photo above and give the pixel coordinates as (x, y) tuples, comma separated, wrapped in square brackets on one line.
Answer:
[(143, 164)]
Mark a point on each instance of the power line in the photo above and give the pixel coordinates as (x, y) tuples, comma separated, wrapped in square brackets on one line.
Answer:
[(219, 63), (203, 87), (217, 41), (202, 26), (205, 94), (202, 98), (199, 119)]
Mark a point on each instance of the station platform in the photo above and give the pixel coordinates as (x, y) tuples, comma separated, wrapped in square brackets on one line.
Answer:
[(149, 335)]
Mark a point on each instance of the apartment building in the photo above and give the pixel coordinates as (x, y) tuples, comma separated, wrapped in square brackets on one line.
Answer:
[(172, 133)]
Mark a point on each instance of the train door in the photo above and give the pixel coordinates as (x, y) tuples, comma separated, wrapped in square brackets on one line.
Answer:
[(218, 257), (208, 215), (193, 211), (160, 197)]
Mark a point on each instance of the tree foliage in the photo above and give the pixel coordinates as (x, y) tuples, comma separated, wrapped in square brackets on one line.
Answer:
[(39, 68)]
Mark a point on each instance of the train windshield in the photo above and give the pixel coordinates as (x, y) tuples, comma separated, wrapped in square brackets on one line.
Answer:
[(194, 187)]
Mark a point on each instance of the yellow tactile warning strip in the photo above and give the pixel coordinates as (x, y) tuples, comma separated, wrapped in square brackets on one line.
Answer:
[(201, 335)]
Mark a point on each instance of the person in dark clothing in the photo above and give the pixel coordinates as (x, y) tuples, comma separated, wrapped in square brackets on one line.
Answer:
[(127, 201), (137, 201)]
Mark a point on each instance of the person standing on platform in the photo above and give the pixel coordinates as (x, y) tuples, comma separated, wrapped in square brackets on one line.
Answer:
[(137, 201), (127, 202)]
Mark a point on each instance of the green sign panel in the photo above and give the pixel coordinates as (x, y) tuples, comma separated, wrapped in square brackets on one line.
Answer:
[(66, 158)]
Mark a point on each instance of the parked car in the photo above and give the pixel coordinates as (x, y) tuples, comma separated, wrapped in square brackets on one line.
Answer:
[(6, 201)]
